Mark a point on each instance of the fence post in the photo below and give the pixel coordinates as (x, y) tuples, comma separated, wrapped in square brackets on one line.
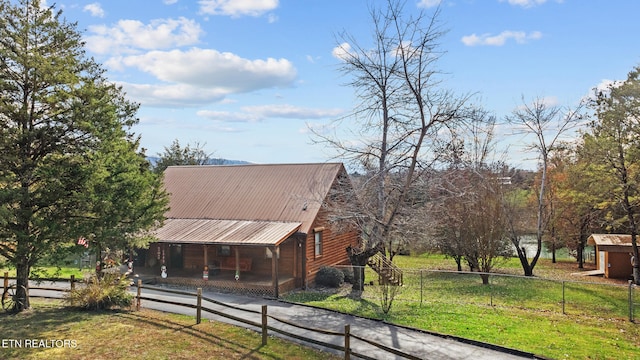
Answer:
[(490, 291), (73, 282), (199, 307), (563, 299), (347, 342), (6, 281), (631, 300), (138, 294), (264, 325), (421, 286)]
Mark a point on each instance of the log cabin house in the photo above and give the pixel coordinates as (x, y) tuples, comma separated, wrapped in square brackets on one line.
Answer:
[(261, 229)]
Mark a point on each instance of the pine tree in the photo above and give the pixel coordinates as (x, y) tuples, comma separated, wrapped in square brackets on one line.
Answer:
[(62, 125)]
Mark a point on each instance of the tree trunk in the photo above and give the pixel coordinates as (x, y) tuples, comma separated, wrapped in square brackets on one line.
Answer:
[(485, 278), (359, 261), (580, 253), (526, 267), (458, 262), (358, 278), (636, 260), (553, 252), (22, 286), (522, 256)]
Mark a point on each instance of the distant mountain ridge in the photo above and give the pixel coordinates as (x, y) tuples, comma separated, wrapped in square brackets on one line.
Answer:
[(217, 161)]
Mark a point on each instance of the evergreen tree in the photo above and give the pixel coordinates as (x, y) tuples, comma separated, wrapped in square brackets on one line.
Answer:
[(69, 166), (613, 145), (187, 155)]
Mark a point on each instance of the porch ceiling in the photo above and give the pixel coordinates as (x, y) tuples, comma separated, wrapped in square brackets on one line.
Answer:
[(225, 232)]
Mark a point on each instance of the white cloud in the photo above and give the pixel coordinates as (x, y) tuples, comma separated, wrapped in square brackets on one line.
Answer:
[(520, 37), (528, 3), (428, 3), (606, 84), (209, 68), (291, 112), (342, 51), (604, 87), (271, 18), (262, 112), (129, 36), (95, 9), (201, 76), (236, 8), (170, 2), (172, 95), (228, 116)]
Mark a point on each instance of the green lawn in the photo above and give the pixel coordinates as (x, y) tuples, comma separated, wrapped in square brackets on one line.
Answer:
[(52, 272), (515, 312), (144, 334)]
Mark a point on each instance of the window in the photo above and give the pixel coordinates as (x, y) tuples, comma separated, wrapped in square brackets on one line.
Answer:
[(318, 243), (225, 250)]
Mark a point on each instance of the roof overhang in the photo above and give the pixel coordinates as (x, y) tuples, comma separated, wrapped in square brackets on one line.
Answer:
[(611, 242), (609, 239), (225, 232)]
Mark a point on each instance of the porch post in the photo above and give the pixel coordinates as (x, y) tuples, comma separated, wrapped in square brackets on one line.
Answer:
[(274, 270), (206, 261), (303, 256), (237, 262)]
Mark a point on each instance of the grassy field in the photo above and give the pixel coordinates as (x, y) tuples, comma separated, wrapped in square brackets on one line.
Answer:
[(514, 312), (145, 334), (52, 272)]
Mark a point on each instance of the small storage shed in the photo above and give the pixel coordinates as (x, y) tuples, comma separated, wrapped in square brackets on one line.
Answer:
[(613, 254)]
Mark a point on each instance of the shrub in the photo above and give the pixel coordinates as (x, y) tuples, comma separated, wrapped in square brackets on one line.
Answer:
[(348, 274), (329, 276), (107, 292)]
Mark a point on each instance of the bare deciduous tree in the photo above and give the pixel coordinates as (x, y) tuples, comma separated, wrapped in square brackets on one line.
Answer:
[(546, 124), (402, 108), (467, 213)]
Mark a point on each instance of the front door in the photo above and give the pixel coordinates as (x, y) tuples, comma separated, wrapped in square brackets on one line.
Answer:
[(175, 256)]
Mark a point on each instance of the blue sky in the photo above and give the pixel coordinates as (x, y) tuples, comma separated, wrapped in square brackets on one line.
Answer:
[(249, 77)]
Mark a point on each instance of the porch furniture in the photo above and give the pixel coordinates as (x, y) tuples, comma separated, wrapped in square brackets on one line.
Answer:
[(229, 263)]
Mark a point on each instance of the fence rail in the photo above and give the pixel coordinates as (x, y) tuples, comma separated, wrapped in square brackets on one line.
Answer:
[(263, 325), (423, 287)]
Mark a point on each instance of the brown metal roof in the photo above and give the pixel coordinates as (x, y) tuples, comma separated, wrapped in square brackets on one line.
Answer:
[(609, 240), (274, 192), (228, 232)]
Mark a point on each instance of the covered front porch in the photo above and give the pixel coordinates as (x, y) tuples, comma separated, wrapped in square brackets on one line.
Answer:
[(261, 258), (224, 281)]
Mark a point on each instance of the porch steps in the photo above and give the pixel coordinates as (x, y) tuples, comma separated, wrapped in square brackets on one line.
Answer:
[(387, 271)]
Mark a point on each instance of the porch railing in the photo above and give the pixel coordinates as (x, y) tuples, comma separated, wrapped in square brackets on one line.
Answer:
[(387, 271)]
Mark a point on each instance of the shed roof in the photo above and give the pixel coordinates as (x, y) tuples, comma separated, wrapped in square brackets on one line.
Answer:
[(609, 239), (225, 232), (273, 193)]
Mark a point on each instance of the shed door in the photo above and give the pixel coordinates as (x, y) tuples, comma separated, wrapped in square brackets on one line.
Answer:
[(601, 263)]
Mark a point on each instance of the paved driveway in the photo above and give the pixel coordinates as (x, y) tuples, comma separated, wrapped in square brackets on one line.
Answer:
[(417, 343)]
